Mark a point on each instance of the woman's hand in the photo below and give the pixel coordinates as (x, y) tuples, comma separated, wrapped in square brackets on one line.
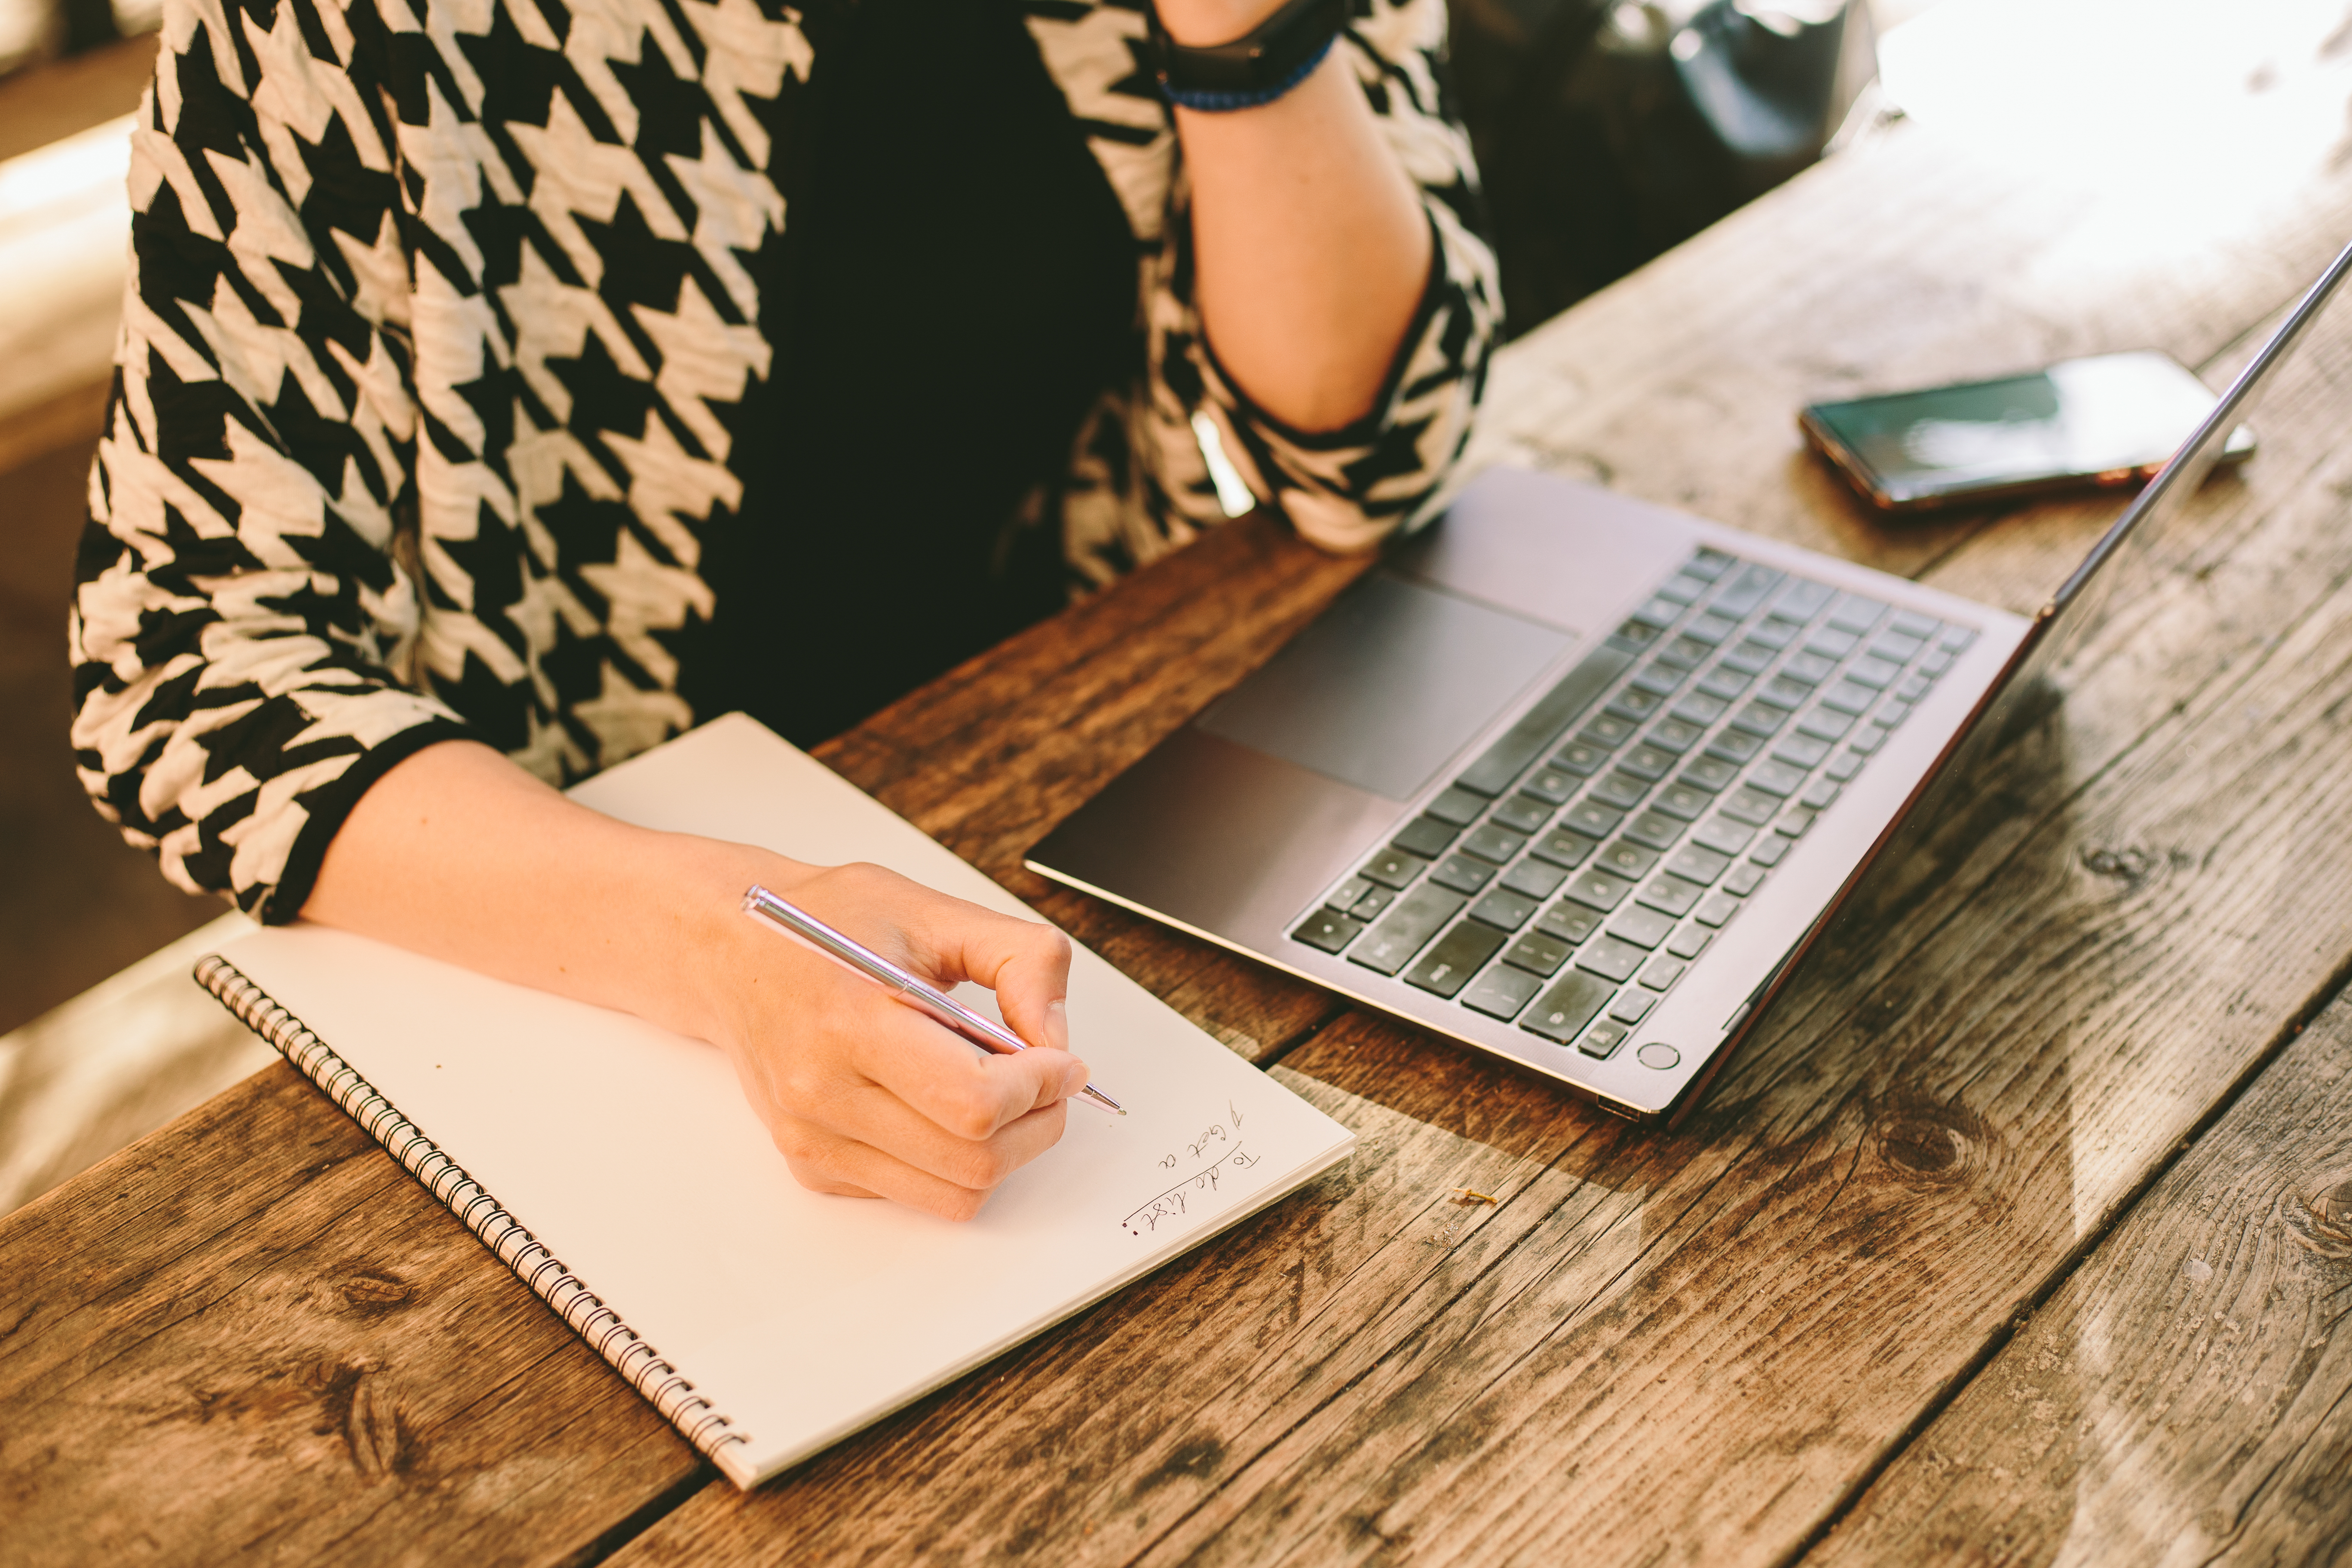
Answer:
[(458, 853), (864, 1095)]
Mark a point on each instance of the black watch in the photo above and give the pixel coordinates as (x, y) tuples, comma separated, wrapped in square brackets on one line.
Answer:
[(1257, 68)]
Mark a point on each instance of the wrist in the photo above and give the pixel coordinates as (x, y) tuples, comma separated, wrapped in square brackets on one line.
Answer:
[(1222, 56), (1204, 24)]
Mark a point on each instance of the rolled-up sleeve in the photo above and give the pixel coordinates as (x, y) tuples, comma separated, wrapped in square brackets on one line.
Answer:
[(242, 612), (1348, 488)]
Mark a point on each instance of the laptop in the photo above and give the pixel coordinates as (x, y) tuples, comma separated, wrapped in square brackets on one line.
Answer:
[(1579, 781)]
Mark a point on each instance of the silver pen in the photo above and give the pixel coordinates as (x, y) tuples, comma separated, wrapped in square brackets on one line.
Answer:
[(782, 915)]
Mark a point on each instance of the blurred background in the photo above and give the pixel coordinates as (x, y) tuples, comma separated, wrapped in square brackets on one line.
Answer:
[(1608, 130)]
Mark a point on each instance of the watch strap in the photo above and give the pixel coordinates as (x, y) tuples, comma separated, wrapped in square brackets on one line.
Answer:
[(1257, 68)]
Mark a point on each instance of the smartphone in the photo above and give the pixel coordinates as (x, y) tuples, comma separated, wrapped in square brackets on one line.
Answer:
[(2109, 421)]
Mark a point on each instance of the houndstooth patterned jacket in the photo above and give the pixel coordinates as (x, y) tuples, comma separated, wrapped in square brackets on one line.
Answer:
[(333, 514)]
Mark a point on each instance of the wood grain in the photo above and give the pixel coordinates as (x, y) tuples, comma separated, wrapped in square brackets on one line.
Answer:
[(252, 1336), (2186, 1397)]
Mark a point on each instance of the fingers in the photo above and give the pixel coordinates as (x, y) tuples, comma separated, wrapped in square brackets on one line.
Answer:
[(826, 1162)]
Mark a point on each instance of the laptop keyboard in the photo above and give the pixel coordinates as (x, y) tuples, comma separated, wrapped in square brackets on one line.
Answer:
[(1567, 878)]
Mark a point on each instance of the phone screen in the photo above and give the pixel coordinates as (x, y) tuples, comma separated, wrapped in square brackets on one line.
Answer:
[(2113, 418)]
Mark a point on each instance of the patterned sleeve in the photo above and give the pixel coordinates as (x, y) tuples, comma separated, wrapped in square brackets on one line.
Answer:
[(241, 610), (1348, 488)]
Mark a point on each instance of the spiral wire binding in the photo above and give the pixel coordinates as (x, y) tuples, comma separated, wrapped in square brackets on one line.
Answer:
[(520, 1251)]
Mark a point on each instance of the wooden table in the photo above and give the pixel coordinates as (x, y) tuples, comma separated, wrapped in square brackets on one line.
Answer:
[(2024, 1232)]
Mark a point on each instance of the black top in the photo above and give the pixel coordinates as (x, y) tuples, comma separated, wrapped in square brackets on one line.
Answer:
[(958, 287)]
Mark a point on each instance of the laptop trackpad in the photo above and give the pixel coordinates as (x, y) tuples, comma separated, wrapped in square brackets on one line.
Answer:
[(1386, 685)]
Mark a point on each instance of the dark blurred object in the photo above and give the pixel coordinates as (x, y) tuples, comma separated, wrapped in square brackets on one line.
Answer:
[(1610, 131), (34, 32)]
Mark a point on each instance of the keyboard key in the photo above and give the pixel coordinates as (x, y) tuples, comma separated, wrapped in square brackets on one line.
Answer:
[(1709, 564), (1745, 591), (1710, 774), (1425, 836), (1760, 719), (1601, 1040), (1775, 777), (1697, 864), (1697, 708), (1724, 682), (1875, 673), (1568, 1007), (1489, 842), (1601, 890), (1911, 623), (1675, 735), (1657, 679), (1681, 800), (1936, 663), (1663, 973), (1659, 613), (1723, 836), (1406, 928), (1955, 639), (1745, 878), (1892, 713), (1750, 806), (1504, 910), (1750, 657), (1653, 829), (1911, 687), (1608, 957), (1847, 764), (1553, 784), (1717, 908), (1572, 923), (1461, 873), (1710, 629), (1643, 928), (1735, 746), (1793, 822), (1618, 789), (1538, 952), (1672, 894), (1800, 599), (1868, 739), (1647, 762), (1374, 900), (1522, 813), (1688, 942), (1456, 805), (1800, 752), (1450, 963), (1769, 851), (1631, 861), (1782, 692), (1632, 1006), (1683, 589), (1590, 819), (1849, 697), (1533, 878), (1535, 732), (1328, 930), (1684, 654), (1856, 612), (1580, 759), (1607, 733), (1809, 667), (1820, 793), (1634, 705), (1565, 848), (1831, 643), (1774, 634), (1634, 634), (1345, 895), (1894, 647), (1824, 724), (1394, 867), (1501, 992)]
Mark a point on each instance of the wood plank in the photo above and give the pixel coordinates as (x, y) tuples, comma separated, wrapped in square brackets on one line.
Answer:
[(991, 756), (258, 1305), (2187, 1396), (1914, 1148)]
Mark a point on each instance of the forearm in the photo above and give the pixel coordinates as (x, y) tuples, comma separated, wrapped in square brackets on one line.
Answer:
[(1311, 248), (459, 854)]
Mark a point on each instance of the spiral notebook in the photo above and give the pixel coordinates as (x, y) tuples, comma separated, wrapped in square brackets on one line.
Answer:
[(615, 1167)]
